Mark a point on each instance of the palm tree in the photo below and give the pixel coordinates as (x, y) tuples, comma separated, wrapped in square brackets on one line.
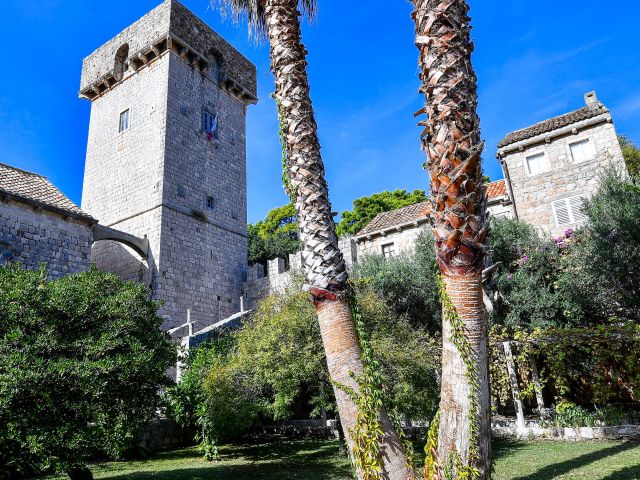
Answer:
[(451, 138), (323, 265)]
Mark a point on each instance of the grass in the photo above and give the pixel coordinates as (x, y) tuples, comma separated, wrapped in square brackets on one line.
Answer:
[(315, 460)]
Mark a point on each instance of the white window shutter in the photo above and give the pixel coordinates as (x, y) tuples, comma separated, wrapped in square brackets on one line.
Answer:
[(561, 212), (575, 205)]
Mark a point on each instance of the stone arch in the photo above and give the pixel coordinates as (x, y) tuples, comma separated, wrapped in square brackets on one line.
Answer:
[(120, 63)]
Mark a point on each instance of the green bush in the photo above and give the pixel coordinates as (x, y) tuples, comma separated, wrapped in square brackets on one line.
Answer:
[(603, 268), (406, 282), (275, 367), (81, 362)]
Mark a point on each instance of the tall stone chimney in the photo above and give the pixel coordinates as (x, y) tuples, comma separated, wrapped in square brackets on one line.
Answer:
[(591, 99)]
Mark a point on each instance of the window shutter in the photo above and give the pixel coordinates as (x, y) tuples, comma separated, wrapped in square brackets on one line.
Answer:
[(561, 213), (577, 212)]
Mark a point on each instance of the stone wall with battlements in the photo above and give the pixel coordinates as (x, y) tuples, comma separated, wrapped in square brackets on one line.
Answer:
[(277, 277), (32, 237)]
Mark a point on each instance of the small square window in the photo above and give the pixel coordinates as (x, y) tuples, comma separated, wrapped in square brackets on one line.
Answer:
[(209, 202), (582, 151), (388, 250), (537, 163), (124, 121)]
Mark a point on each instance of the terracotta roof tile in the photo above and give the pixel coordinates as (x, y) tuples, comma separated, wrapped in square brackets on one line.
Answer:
[(37, 189), (552, 124), (418, 212), (411, 213), (496, 189)]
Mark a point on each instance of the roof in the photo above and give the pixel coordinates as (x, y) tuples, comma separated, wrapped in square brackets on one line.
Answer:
[(496, 189), (419, 212), (553, 124), (37, 190), (393, 218)]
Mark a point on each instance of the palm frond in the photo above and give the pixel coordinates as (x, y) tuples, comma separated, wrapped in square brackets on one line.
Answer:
[(253, 11)]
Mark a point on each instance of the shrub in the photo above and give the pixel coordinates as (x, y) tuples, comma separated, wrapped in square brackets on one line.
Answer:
[(276, 368), (82, 359), (603, 268), (406, 282)]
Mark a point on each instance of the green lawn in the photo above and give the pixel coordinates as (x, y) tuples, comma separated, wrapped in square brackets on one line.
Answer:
[(314, 460)]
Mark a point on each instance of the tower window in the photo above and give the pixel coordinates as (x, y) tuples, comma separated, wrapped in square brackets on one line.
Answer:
[(214, 70), (124, 121), (209, 202), (210, 125), (121, 65)]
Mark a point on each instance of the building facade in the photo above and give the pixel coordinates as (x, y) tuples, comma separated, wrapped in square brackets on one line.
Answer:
[(166, 160), (40, 225), (552, 166)]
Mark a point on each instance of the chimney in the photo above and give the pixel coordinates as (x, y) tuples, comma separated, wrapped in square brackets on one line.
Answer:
[(591, 99)]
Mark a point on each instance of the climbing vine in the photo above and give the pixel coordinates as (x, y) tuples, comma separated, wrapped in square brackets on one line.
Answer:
[(367, 432), (431, 468), (282, 122), (461, 342)]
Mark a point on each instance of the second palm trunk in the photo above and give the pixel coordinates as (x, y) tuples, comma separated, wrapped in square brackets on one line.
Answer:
[(323, 265), (451, 138)]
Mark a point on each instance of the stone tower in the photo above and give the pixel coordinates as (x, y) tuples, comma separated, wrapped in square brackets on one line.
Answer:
[(166, 160)]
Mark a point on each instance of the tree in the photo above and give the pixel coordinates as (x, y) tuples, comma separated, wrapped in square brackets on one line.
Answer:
[(451, 138), (322, 263), (407, 282), (275, 366), (366, 208), (603, 267), (631, 154), (81, 362), (274, 237)]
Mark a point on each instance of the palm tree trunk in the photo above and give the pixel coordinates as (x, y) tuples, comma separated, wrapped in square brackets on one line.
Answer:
[(322, 262), (451, 138), (457, 404)]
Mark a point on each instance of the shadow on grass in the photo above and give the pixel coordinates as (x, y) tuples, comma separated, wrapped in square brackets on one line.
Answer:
[(220, 471), (273, 460), (627, 473), (558, 469)]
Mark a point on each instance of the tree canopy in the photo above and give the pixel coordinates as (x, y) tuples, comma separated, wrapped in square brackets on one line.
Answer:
[(631, 154), (366, 208), (275, 236), (81, 362)]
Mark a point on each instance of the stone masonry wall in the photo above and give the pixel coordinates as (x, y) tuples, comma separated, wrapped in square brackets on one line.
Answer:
[(535, 194), (202, 261), (33, 237), (155, 178)]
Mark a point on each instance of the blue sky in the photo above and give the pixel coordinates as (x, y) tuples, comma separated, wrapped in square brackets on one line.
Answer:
[(534, 60)]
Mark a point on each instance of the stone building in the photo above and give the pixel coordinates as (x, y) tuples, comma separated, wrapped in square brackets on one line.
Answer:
[(550, 167), (390, 233), (166, 160), (39, 224)]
